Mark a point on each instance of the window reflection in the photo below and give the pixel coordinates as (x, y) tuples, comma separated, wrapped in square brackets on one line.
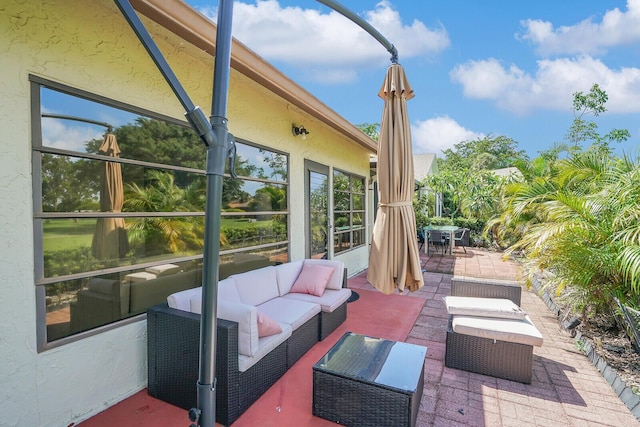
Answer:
[(156, 229), (348, 216)]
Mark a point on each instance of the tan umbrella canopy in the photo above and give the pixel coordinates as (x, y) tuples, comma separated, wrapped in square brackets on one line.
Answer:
[(110, 237), (394, 261)]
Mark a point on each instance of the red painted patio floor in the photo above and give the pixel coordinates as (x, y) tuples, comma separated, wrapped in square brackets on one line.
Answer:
[(567, 390)]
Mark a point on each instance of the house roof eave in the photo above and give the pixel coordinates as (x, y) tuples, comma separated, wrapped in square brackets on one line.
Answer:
[(182, 20)]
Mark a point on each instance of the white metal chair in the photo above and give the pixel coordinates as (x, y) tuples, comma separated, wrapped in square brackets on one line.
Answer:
[(459, 239)]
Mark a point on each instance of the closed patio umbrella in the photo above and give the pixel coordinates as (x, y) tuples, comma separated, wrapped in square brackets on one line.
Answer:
[(110, 237), (394, 260)]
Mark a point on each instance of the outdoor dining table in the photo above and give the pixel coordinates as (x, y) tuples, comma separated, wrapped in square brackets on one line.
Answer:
[(449, 229)]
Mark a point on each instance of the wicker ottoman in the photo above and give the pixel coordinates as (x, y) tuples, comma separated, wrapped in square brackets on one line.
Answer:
[(365, 381), (482, 350)]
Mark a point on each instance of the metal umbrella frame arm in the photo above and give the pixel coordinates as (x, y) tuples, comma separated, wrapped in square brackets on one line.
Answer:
[(364, 25)]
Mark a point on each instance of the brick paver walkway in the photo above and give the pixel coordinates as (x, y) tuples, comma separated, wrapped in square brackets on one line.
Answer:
[(567, 390)]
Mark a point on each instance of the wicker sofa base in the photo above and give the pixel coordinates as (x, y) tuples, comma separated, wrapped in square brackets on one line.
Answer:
[(329, 322), (302, 339), (173, 352), (501, 359)]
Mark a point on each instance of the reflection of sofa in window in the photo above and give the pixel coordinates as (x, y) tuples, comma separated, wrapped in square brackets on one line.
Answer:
[(105, 301)]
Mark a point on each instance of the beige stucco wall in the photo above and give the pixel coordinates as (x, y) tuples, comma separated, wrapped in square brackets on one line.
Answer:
[(88, 45)]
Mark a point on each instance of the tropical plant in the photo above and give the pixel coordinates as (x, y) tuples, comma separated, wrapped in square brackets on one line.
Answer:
[(159, 234), (576, 218)]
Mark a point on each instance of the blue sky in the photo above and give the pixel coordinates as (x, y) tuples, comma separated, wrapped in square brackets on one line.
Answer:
[(477, 67)]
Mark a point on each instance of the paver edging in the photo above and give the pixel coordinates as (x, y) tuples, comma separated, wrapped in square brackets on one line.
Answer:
[(626, 395)]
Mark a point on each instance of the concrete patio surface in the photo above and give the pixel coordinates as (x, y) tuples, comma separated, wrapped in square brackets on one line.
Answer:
[(566, 390)]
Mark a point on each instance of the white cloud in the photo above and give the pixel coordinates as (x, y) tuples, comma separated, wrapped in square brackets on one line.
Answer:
[(56, 134), (438, 134), (586, 37), (552, 86), (328, 45)]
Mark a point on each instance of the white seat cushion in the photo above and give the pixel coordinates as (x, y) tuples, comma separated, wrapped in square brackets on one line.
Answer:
[(329, 301), (257, 286), (182, 300), (244, 314), (289, 311), (228, 291), (483, 307), (509, 330), (287, 274), (164, 269), (265, 345)]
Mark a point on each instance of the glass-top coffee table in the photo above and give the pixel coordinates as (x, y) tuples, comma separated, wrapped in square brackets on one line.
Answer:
[(368, 381)]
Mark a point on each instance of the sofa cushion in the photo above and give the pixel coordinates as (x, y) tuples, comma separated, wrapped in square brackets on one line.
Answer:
[(329, 301), (312, 279), (228, 291), (103, 286), (257, 286), (143, 295), (289, 311), (483, 307), (244, 314), (265, 345), (287, 274), (182, 300), (164, 269), (509, 330), (335, 281), (267, 326)]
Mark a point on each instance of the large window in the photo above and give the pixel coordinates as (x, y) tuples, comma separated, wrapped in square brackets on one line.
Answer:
[(348, 211), (119, 199)]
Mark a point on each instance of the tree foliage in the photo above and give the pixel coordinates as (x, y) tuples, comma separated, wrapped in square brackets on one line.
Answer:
[(575, 217), (466, 179)]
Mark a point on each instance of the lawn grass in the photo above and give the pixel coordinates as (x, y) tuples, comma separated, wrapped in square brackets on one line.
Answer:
[(69, 234), (66, 234)]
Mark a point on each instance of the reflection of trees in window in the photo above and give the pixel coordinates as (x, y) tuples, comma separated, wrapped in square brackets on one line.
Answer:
[(163, 169), (348, 211), (159, 235), (69, 184)]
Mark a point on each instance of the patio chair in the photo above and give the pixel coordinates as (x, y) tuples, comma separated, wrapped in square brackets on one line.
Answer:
[(461, 238), (421, 239), (438, 239)]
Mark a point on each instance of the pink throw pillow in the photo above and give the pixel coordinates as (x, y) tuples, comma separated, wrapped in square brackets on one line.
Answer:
[(267, 326), (312, 279)]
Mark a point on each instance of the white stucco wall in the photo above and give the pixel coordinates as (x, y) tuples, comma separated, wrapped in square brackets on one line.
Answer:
[(88, 45)]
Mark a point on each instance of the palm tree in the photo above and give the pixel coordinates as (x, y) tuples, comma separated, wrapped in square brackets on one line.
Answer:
[(580, 226), (161, 235)]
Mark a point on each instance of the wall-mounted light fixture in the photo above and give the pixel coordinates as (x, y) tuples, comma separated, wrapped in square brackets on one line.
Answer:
[(299, 130)]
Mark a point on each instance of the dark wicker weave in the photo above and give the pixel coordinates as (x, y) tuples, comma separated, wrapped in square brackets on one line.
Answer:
[(486, 288), (173, 354), (501, 359), (345, 397), (302, 339), (353, 403), (330, 321)]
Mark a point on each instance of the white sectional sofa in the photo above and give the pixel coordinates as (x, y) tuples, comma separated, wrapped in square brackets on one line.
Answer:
[(267, 319)]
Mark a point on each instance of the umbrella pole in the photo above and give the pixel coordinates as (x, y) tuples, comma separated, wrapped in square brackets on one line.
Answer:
[(216, 156)]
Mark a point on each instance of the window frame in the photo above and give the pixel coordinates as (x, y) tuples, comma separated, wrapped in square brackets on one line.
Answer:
[(39, 216), (351, 211)]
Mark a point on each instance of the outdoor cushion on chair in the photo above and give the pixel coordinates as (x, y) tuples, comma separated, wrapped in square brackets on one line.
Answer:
[(483, 307), (508, 330)]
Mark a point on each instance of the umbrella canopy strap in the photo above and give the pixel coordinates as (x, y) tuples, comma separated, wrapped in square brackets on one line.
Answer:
[(395, 204), (364, 25)]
